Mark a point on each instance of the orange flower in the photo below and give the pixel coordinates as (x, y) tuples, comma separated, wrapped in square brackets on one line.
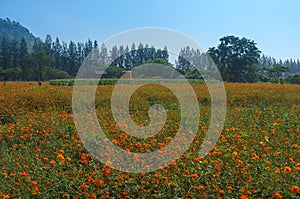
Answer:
[(52, 162), (6, 196), (83, 186), (90, 180), (277, 171), (277, 195), (298, 167), (287, 169), (234, 154), (197, 159), (99, 182), (34, 183), (255, 156), (105, 171), (194, 175), (93, 196), (16, 184), (83, 158), (200, 187), (23, 174), (187, 172), (295, 189), (166, 181), (229, 188), (244, 197), (240, 163), (60, 157), (221, 191), (218, 169)]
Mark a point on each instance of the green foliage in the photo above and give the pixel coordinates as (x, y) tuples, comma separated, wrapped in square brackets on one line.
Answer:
[(51, 73), (39, 61), (158, 61), (276, 71), (236, 59), (10, 74), (292, 79), (70, 82), (113, 72)]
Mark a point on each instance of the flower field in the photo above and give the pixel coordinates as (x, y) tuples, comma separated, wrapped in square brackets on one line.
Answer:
[(256, 156)]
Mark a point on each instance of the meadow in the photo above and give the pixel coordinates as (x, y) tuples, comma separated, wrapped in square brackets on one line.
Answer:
[(256, 156)]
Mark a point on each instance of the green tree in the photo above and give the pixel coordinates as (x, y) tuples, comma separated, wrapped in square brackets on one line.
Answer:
[(158, 61), (182, 64), (40, 61), (23, 53), (50, 73), (47, 44), (72, 59), (276, 71), (14, 48), (103, 54), (236, 58), (158, 68), (5, 54), (10, 74), (57, 48), (38, 45)]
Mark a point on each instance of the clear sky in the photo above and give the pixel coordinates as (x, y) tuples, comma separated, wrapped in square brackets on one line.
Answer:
[(274, 25)]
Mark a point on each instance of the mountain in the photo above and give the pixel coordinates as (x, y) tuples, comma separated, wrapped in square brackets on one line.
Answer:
[(13, 29)]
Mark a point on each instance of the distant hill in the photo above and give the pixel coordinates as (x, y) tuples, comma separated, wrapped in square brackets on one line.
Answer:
[(13, 29)]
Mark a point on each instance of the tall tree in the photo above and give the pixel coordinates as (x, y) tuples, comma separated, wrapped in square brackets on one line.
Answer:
[(38, 45), (184, 64), (103, 54), (23, 52), (276, 71), (40, 60), (47, 44), (236, 58), (5, 54), (88, 47), (14, 48), (72, 57), (57, 50), (64, 57), (23, 57), (113, 55), (80, 51)]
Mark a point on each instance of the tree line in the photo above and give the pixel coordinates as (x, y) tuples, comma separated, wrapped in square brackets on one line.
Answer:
[(238, 59)]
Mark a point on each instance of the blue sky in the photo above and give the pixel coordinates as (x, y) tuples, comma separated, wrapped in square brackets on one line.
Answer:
[(273, 25)]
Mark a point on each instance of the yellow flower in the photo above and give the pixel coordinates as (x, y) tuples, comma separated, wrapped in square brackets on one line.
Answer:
[(234, 154)]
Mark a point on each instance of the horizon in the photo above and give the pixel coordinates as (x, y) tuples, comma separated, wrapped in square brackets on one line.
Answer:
[(272, 25)]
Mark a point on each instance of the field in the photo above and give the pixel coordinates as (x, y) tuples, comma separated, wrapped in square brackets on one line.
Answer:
[(256, 156)]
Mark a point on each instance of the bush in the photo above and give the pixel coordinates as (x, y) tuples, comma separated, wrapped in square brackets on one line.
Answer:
[(11, 74), (56, 74), (70, 82)]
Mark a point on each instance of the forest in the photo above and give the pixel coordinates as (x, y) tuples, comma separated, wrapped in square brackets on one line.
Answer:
[(238, 59)]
